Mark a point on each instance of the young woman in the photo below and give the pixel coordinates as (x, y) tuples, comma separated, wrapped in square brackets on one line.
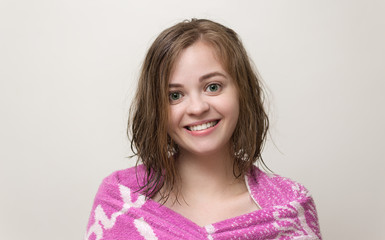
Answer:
[(198, 126)]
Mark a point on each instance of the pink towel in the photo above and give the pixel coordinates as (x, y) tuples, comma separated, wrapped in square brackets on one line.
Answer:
[(287, 212)]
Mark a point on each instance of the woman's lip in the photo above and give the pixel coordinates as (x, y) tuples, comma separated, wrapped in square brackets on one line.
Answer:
[(202, 122), (204, 132)]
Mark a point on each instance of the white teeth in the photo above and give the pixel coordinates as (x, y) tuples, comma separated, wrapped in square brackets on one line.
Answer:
[(202, 126)]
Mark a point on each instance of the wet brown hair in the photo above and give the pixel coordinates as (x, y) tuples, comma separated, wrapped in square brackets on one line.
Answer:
[(147, 126)]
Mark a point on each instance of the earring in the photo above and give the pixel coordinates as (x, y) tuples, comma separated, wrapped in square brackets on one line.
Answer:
[(172, 148), (171, 151), (241, 155)]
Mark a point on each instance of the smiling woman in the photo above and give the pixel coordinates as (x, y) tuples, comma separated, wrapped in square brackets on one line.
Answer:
[(198, 126), (202, 119)]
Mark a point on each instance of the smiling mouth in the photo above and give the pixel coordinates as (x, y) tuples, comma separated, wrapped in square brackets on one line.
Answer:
[(202, 126)]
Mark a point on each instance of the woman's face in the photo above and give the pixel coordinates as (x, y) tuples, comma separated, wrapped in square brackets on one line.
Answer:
[(204, 105)]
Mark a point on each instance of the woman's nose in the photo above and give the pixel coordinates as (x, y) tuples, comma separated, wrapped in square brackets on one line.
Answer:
[(197, 105)]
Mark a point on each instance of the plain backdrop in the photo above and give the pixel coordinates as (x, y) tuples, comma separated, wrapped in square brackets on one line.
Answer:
[(68, 71)]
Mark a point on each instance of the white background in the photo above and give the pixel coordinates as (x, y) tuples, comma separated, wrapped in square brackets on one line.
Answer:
[(68, 70)]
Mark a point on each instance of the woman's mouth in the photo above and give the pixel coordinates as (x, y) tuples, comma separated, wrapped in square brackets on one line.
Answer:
[(202, 126)]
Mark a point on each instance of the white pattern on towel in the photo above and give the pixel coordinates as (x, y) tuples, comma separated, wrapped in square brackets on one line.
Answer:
[(102, 219), (144, 229)]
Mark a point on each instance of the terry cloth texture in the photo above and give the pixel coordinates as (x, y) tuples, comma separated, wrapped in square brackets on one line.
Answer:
[(119, 212)]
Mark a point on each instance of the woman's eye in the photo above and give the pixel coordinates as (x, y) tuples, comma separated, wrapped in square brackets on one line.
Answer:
[(213, 87), (175, 96)]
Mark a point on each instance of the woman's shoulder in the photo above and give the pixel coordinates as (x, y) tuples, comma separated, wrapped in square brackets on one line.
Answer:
[(288, 202), (131, 177), (271, 189), (120, 187), (117, 195)]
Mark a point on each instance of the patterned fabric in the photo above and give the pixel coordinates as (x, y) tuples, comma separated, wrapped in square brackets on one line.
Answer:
[(119, 212)]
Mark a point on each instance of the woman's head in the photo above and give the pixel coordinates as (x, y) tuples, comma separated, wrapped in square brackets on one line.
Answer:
[(203, 104), (149, 112)]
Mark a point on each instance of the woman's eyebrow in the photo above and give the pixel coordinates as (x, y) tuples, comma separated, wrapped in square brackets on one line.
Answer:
[(202, 78), (175, 85), (210, 75)]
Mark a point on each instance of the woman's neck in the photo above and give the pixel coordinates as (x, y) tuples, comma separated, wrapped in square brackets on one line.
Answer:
[(211, 176)]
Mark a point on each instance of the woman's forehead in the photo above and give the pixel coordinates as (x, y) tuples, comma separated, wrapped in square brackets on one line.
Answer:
[(200, 58)]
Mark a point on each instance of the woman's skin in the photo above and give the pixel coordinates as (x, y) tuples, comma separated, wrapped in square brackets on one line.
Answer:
[(204, 111)]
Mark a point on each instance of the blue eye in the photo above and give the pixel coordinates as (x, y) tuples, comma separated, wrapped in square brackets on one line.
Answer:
[(213, 87), (174, 96)]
